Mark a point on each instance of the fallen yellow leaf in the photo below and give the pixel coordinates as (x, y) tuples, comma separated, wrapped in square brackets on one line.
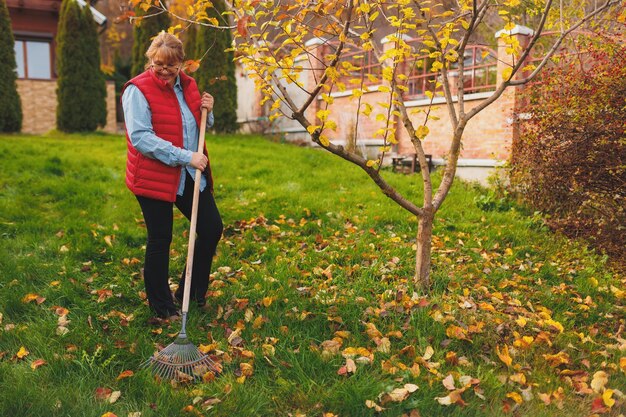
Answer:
[(504, 355), (22, 353), (557, 359), (606, 397), (372, 331), (355, 351), (523, 342), (372, 404), (486, 306), (520, 378), (258, 322), (207, 348), (515, 397), (554, 324), (29, 297), (268, 350), (456, 332), (246, 369)]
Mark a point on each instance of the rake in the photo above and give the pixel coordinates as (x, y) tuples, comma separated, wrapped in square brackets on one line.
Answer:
[(182, 360)]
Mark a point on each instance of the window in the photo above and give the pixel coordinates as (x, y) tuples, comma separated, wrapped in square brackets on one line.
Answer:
[(33, 59)]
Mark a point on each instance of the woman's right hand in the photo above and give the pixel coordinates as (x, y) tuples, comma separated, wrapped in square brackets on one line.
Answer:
[(199, 161)]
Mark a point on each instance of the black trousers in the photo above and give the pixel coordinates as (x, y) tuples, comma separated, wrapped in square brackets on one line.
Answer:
[(159, 218)]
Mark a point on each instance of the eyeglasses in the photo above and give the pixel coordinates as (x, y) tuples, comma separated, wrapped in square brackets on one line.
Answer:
[(168, 68)]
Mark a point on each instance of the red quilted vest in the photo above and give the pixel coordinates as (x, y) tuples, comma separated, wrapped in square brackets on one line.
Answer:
[(149, 177)]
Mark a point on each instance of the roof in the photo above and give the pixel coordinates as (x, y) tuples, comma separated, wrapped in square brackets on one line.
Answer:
[(53, 6)]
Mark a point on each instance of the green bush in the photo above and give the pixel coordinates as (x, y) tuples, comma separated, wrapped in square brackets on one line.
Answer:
[(81, 88), (144, 31), (10, 105), (216, 74), (570, 159)]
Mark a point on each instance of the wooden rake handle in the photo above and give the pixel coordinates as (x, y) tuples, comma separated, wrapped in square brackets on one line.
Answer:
[(194, 217)]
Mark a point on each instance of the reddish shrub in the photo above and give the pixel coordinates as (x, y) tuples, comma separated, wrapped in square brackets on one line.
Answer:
[(570, 159)]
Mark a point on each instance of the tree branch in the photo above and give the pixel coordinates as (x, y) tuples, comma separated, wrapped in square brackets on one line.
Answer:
[(333, 64), (608, 4)]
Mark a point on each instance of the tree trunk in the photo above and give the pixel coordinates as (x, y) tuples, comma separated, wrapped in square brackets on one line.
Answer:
[(422, 255)]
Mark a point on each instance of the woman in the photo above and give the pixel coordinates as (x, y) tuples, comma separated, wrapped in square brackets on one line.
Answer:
[(162, 108)]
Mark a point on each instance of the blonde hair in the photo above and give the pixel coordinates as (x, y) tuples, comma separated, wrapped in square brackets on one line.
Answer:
[(167, 46)]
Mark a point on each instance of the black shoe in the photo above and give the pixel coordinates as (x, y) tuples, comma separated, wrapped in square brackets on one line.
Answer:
[(178, 298), (175, 316), (171, 314)]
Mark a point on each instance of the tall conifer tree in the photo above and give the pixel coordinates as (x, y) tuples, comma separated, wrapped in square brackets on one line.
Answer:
[(10, 105), (81, 87), (217, 70), (144, 31)]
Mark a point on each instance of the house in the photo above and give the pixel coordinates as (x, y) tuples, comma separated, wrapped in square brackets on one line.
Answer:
[(34, 24)]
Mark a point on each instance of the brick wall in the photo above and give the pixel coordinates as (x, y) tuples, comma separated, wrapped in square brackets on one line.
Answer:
[(39, 103)]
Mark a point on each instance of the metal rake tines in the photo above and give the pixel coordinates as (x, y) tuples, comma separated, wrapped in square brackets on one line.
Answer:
[(182, 362)]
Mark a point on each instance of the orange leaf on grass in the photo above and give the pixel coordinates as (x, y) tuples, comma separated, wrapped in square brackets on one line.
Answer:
[(103, 294), (208, 377), (456, 332), (32, 297), (504, 355), (37, 363), (102, 393), (372, 331), (60, 311), (125, 374)]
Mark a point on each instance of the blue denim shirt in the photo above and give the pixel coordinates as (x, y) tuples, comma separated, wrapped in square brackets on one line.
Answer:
[(138, 118)]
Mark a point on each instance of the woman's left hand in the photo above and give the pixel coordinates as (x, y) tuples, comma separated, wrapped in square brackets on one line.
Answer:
[(207, 102)]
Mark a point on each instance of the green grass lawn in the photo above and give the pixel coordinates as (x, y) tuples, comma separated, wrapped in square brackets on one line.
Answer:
[(312, 311)]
